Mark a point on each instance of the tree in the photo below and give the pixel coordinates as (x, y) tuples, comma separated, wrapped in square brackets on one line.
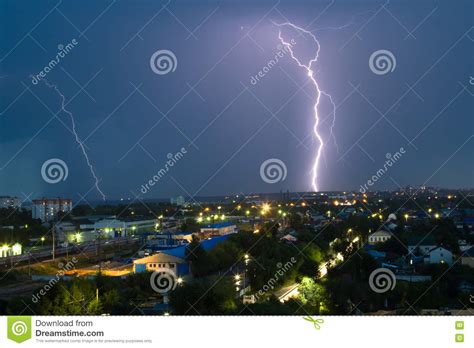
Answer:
[(190, 225), (214, 295), (313, 295), (296, 221), (200, 262)]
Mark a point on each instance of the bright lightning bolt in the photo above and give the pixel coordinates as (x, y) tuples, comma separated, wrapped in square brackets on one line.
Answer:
[(76, 136), (309, 70)]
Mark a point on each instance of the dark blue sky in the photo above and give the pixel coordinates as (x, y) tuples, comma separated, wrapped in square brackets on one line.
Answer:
[(219, 46)]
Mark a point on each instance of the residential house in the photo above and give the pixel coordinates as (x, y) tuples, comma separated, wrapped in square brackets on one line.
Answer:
[(421, 245), (439, 255), (380, 236), (467, 258)]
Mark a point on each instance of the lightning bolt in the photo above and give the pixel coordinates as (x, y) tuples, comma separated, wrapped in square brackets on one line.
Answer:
[(76, 136), (310, 72)]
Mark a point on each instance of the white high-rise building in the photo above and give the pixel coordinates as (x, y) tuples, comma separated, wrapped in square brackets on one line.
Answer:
[(47, 209)]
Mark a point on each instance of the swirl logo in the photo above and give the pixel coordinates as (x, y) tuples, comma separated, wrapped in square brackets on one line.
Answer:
[(54, 170), (19, 328), (163, 281), (382, 62), (163, 62), (273, 170), (382, 280)]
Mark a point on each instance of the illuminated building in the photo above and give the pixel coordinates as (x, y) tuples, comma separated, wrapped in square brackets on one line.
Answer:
[(47, 209)]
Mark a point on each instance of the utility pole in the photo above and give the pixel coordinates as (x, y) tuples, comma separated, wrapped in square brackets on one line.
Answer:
[(99, 251), (54, 238)]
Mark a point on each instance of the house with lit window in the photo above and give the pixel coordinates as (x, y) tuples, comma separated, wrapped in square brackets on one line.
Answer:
[(439, 255), (380, 236), (159, 262)]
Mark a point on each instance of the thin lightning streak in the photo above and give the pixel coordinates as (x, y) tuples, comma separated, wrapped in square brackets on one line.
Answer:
[(76, 136), (309, 70)]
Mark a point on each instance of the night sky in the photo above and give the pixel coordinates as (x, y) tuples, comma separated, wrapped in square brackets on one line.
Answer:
[(228, 125)]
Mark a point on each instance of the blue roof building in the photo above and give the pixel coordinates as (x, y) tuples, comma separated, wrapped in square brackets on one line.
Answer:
[(173, 259)]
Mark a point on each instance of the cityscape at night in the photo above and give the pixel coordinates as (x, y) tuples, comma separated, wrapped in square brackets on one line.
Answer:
[(239, 158)]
